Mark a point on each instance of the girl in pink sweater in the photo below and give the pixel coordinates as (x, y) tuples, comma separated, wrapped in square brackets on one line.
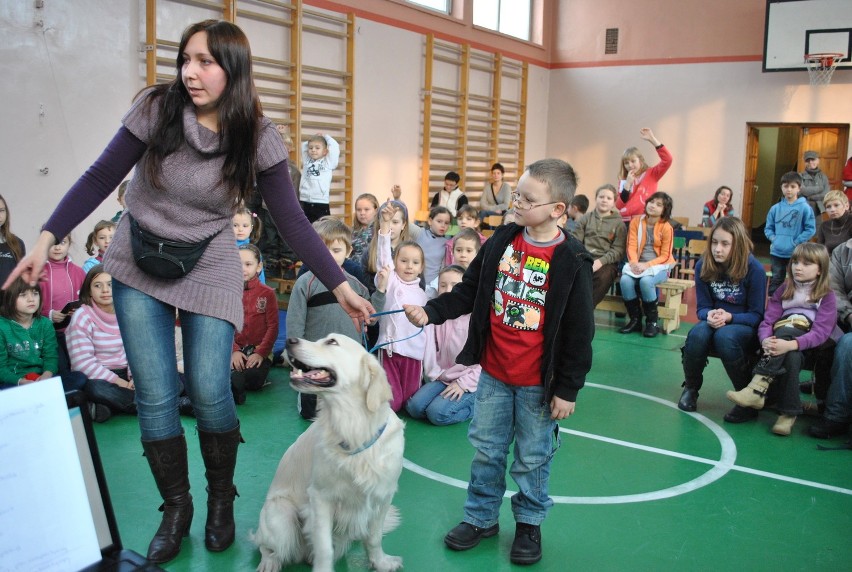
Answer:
[(447, 397), (96, 349), (60, 284), (637, 180), (402, 350)]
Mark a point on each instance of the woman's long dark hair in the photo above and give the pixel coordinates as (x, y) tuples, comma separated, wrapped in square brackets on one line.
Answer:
[(238, 108)]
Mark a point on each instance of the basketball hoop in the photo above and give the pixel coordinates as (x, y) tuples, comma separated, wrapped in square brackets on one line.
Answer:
[(821, 67)]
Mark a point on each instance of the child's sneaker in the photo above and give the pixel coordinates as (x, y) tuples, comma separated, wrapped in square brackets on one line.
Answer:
[(99, 412), (784, 425)]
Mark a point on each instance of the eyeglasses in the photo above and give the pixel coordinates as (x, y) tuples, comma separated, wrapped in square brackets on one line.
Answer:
[(525, 205)]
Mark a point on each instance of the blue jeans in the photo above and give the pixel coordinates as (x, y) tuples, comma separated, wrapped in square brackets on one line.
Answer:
[(838, 403), (429, 404), (647, 286), (504, 413), (118, 399), (733, 343), (779, 272), (148, 331)]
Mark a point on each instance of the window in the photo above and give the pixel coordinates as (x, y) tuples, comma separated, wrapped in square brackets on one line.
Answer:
[(510, 17), (439, 5)]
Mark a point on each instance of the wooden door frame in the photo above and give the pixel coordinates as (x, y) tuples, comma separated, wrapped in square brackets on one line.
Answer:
[(752, 133)]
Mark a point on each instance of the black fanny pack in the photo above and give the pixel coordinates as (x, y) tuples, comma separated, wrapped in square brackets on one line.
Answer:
[(164, 258)]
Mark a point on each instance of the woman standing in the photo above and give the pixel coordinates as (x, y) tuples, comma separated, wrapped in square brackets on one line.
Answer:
[(199, 144)]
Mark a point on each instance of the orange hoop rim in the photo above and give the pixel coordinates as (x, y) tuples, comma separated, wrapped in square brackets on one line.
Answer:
[(825, 59)]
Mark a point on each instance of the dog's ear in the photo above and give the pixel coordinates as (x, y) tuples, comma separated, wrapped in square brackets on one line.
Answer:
[(378, 388)]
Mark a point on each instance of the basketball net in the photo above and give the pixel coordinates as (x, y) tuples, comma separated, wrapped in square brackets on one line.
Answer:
[(821, 67)]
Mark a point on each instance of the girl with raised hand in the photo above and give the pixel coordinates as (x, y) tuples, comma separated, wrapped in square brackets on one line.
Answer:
[(637, 181)]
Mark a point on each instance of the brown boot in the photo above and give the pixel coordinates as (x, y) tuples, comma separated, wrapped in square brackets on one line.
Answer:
[(219, 451), (167, 459), (754, 394)]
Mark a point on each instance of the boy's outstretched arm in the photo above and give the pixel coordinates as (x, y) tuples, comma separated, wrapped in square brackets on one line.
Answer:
[(416, 314)]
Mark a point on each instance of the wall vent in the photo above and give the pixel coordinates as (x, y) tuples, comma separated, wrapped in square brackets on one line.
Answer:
[(611, 41)]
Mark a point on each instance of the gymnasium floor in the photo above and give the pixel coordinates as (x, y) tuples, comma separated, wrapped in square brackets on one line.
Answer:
[(639, 484)]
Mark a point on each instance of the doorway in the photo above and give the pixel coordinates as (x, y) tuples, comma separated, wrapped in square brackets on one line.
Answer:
[(773, 149)]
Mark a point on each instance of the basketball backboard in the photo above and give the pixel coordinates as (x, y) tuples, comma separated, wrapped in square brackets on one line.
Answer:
[(798, 27)]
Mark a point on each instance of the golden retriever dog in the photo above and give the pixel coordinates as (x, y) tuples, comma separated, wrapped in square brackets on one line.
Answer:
[(336, 482)]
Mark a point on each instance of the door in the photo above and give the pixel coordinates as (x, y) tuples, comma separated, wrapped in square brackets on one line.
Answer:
[(830, 143), (749, 187)]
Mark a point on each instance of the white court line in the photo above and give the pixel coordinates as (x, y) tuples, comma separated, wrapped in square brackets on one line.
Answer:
[(719, 468), (677, 455)]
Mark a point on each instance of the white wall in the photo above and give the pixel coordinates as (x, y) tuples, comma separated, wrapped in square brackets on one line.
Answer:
[(699, 111), (84, 67), (81, 69)]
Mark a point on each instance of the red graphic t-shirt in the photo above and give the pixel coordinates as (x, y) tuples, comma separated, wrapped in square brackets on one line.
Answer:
[(513, 350)]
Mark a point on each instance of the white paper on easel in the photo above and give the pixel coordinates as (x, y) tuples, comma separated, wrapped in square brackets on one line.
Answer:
[(45, 519)]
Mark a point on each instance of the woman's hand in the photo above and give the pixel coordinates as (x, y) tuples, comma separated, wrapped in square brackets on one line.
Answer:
[(453, 391), (396, 191), (359, 309), (31, 265), (596, 265), (57, 317)]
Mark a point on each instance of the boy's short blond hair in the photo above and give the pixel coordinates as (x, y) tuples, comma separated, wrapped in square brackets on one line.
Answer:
[(318, 139), (559, 176), (839, 196), (331, 229)]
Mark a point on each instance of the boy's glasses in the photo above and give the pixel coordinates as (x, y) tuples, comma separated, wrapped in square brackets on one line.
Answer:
[(525, 205)]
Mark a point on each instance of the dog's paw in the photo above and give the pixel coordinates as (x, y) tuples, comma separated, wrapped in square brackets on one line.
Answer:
[(387, 563)]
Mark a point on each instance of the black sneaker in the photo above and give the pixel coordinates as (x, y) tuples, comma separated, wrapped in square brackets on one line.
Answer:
[(99, 412), (465, 536), (826, 429), (740, 414), (526, 548)]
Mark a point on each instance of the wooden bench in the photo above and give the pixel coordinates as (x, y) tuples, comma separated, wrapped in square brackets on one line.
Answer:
[(281, 286), (669, 313)]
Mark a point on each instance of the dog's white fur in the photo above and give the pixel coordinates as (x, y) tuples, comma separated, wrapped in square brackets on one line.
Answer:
[(322, 497)]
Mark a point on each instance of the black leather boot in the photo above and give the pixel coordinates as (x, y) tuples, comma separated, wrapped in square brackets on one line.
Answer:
[(634, 311), (219, 451), (167, 459), (651, 315), (689, 398)]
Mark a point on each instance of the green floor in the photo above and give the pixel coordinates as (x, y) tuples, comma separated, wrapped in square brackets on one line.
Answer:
[(639, 484)]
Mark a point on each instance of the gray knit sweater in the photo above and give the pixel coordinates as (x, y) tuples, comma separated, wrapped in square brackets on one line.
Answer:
[(192, 205), (317, 321)]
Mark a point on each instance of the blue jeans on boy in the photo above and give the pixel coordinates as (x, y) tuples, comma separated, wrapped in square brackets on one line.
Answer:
[(429, 404), (647, 286), (779, 272), (733, 343), (148, 331), (502, 413)]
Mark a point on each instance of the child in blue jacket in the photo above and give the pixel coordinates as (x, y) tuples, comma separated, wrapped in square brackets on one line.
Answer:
[(790, 222)]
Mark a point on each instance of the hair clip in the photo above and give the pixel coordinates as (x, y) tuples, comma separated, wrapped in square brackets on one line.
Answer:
[(253, 215)]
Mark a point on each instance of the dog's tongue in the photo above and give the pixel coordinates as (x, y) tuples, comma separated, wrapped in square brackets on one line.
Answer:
[(317, 374)]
